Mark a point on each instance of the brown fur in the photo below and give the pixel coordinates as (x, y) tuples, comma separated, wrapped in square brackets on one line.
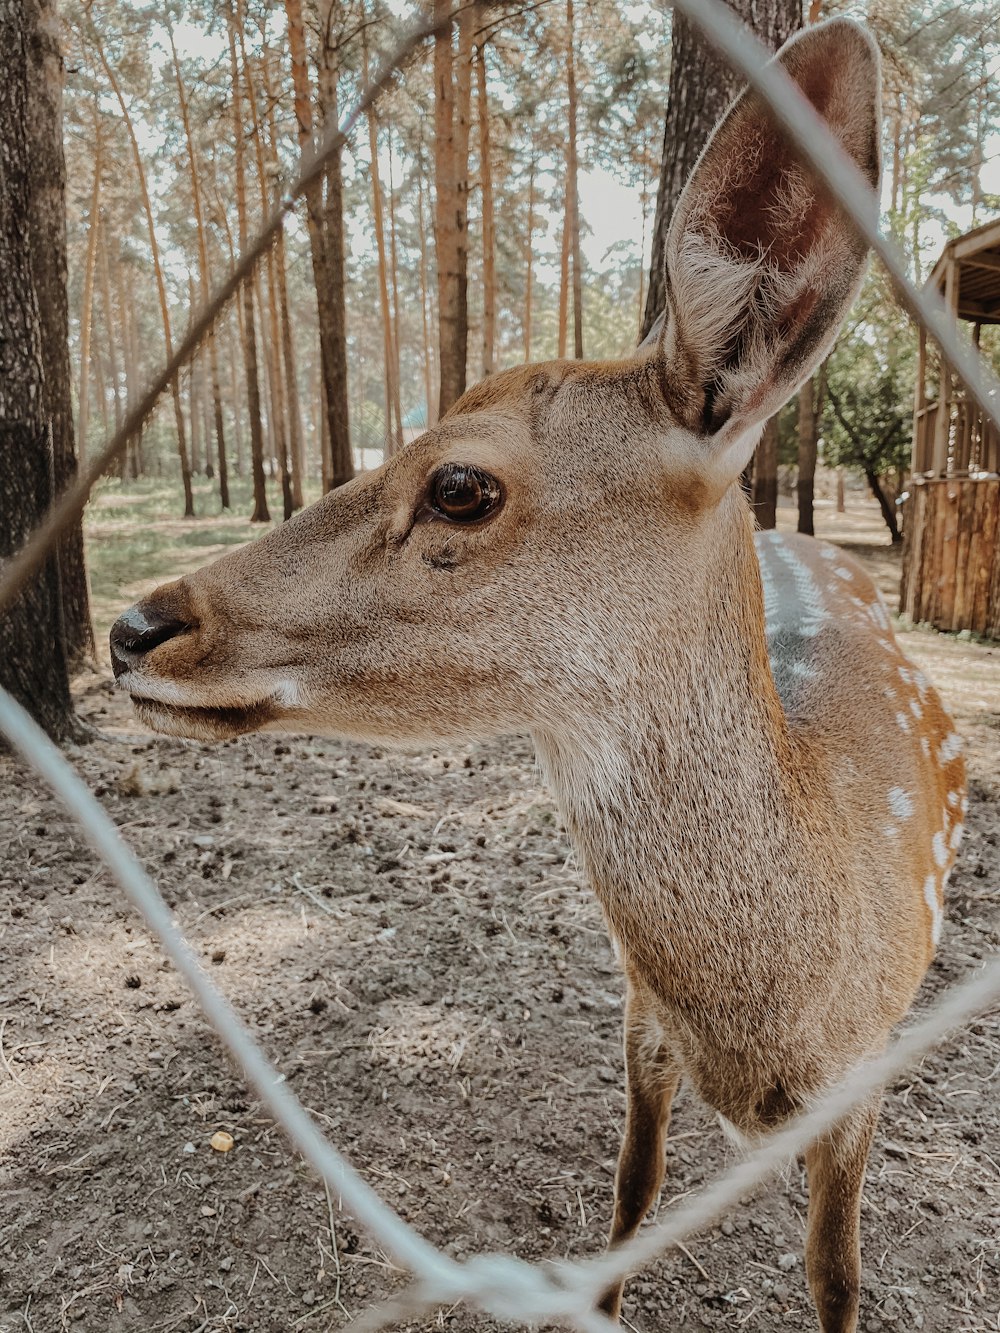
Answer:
[(764, 795)]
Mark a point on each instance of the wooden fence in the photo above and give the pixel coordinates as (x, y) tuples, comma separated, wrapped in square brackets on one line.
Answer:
[(951, 554)]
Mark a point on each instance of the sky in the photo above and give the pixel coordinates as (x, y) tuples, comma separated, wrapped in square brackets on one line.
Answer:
[(611, 210)]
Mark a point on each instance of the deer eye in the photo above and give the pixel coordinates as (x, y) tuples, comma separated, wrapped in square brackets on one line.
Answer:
[(464, 494)]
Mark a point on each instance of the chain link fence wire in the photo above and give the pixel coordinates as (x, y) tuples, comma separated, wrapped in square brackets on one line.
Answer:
[(499, 1284)]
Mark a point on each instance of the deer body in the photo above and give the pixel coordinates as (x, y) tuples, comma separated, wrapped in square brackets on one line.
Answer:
[(765, 795)]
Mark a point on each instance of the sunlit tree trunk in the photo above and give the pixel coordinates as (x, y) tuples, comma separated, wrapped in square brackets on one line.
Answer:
[(294, 411), (393, 419), (89, 272), (424, 297), (530, 255), (334, 312), (452, 105), (260, 512), (161, 289), (273, 344), (203, 275), (109, 321), (489, 255), (572, 188)]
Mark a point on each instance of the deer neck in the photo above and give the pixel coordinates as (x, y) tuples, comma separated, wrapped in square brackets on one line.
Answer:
[(683, 796)]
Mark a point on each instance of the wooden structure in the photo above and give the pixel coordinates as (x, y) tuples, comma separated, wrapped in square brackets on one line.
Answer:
[(951, 542)]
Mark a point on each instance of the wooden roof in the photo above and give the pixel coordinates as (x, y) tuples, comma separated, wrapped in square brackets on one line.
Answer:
[(976, 260)]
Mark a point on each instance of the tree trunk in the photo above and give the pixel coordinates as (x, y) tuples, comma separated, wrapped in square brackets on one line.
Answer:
[(764, 496), (203, 275), (47, 234), (888, 510), (109, 323), (529, 242), (701, 87), (572, 189), (32, 645), (260, 512), (89, 271), (175, 387), (333, 315), (805, 485), (431, 414), (453, 88), (489, 256), (393, 417), (294, 412), (273, 342), (841, 506)]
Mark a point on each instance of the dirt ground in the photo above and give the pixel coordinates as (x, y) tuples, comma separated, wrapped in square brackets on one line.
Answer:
[(412, 942)]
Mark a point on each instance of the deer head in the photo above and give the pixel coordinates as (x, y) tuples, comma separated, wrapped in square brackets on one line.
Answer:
[(514, 566)]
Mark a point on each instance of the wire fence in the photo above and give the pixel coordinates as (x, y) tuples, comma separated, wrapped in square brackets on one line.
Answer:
[(500, 1284)]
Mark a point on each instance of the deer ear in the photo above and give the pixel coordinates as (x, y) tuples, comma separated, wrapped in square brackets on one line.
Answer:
[(761, 262)]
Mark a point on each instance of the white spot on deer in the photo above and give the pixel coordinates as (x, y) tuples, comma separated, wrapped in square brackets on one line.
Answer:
[(925, 746), (844, 573), (903, 722), (891, 831), (940, 849), (889, 692), (807, 591), (921, 682), (950, 748), (879, 614), (931, 899), (915, 709), (905, 675), (956, 836), (901, 803), (965, 806), (803, 670), (953, 798)]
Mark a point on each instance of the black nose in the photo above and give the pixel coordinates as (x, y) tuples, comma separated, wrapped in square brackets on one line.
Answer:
[(139, 631)]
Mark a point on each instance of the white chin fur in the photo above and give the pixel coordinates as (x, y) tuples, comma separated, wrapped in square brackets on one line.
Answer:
[(282, 690)]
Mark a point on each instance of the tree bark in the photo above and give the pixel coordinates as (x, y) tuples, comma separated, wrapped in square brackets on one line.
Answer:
[(273, 344), (431, 414), (333, 315), (888, 510), (453, 90), (203, 275), (572, 188), (103, 265), (393, 416), (89, 271), (47, 233), (32, 646), (175, 387), (489, 243), (805, 485), (764, 496), (701, 87), (260, 512), (294, 411), (529, 255)]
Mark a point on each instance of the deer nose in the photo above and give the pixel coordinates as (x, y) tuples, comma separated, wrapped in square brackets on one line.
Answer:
[(139, 630)]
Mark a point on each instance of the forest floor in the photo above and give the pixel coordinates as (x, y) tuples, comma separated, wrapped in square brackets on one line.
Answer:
[(411, 940)]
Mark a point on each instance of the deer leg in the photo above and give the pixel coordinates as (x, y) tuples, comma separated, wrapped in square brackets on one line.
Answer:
[(836, 1169), (651, 1078)]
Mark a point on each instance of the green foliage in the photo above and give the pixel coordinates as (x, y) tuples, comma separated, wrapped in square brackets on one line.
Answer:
[(868, 394)]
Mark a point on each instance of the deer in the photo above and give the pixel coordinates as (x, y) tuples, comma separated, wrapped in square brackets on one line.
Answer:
[(765, 794)]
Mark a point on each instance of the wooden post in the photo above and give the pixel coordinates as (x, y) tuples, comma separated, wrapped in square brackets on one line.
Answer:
[(943, 420), (920, 459)]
